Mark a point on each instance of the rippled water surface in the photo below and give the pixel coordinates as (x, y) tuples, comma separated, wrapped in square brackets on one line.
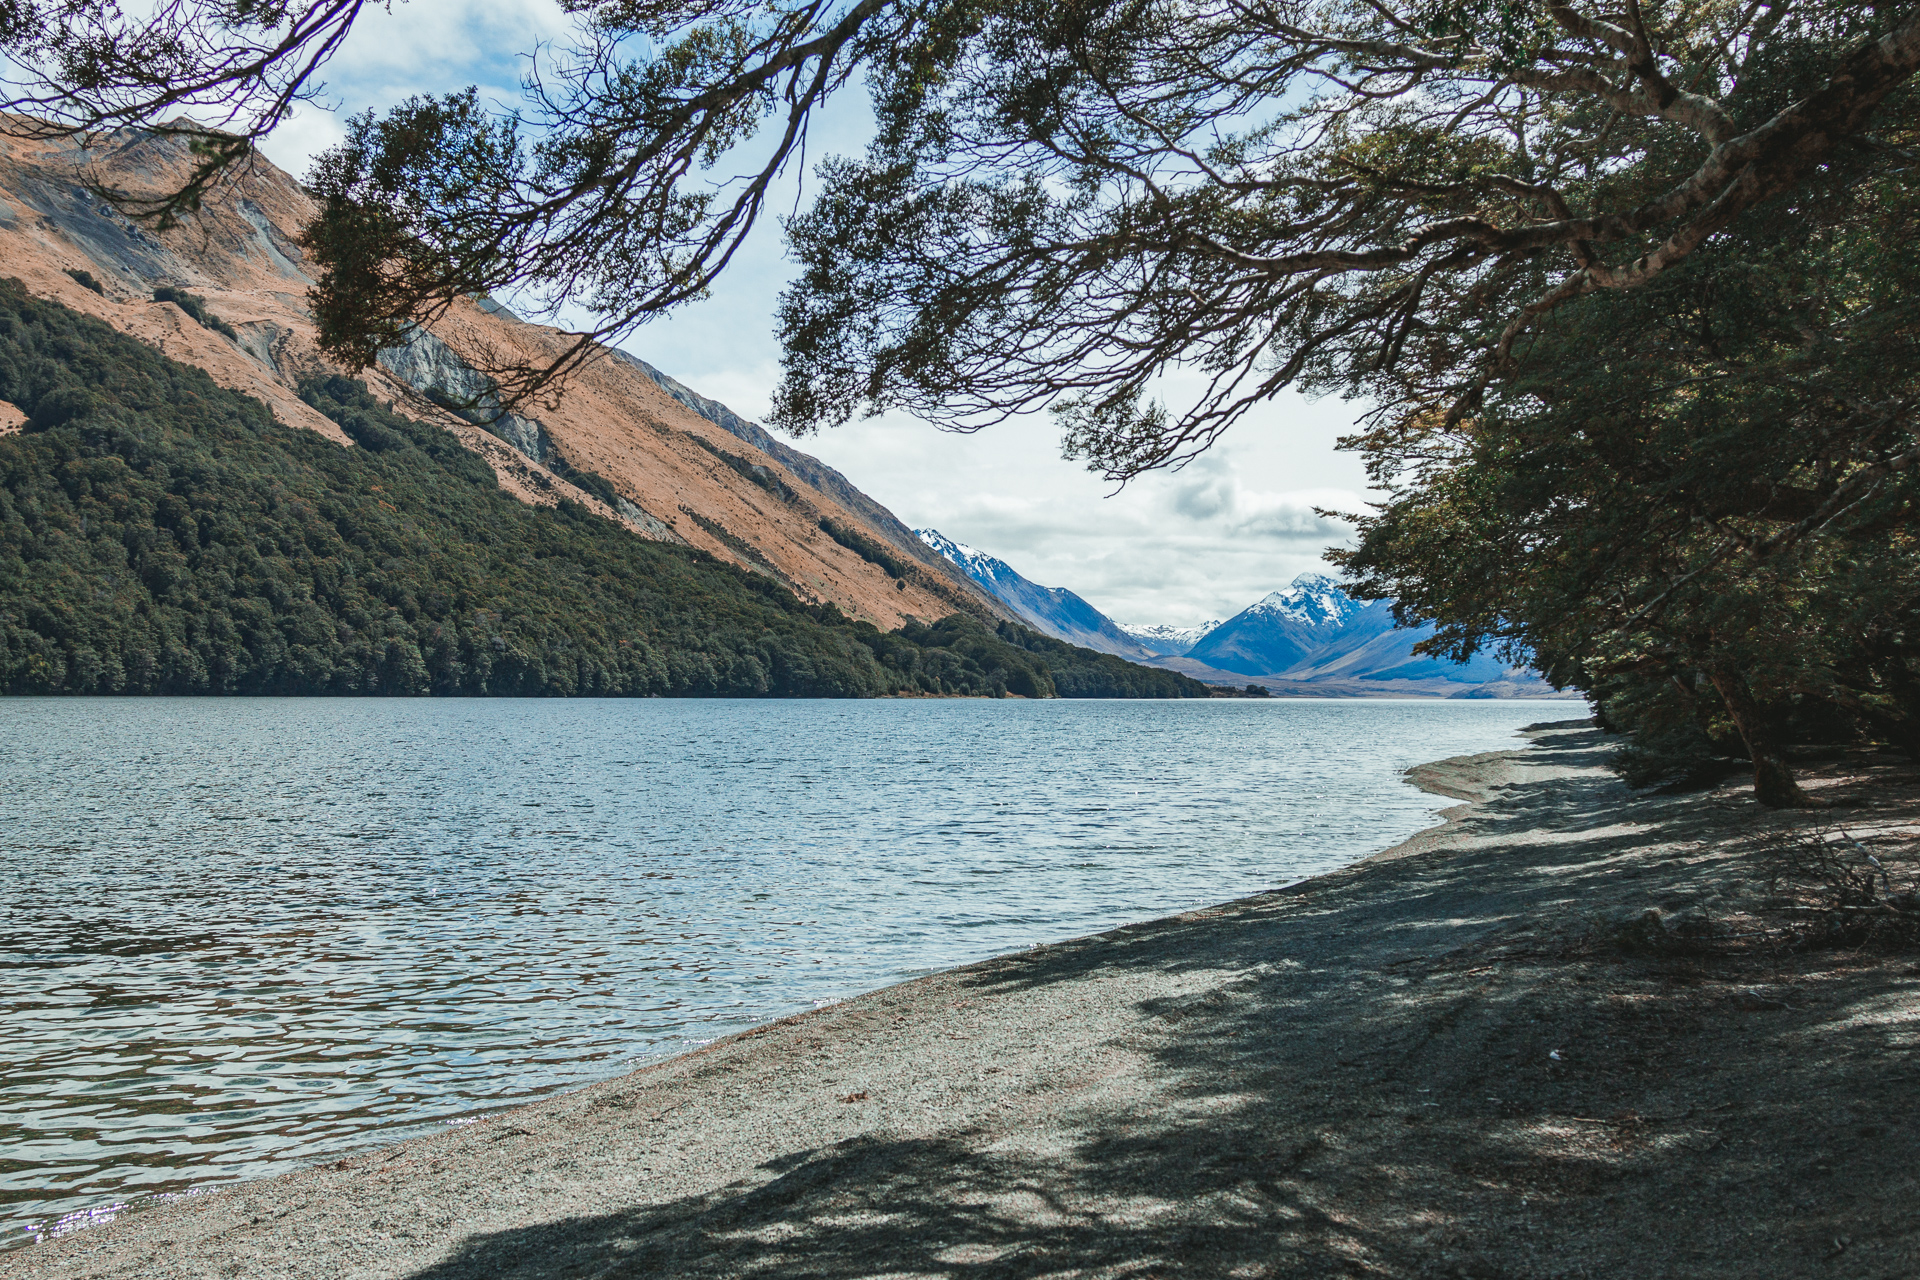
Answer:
[(241, 935)]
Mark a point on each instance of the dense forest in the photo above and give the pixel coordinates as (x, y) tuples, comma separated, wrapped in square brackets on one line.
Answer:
[(1696, 500), (160, 534)]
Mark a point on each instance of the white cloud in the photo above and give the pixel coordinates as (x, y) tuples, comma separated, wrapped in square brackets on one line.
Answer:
[(1180, 548), (298, 140), (429, 48)]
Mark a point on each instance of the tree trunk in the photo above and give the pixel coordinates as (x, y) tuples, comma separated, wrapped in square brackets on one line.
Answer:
[(1773, 782)]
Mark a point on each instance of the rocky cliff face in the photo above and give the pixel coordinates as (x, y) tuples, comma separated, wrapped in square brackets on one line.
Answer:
[(622, 439)]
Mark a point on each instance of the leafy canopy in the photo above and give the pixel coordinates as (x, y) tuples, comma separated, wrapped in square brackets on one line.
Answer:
[(1697, 500), (1064, 201)]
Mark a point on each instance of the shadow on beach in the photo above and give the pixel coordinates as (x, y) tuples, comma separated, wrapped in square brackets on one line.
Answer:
[(1409, 1068)]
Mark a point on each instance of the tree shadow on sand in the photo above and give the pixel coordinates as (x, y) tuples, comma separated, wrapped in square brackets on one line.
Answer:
[(1470, 1101)]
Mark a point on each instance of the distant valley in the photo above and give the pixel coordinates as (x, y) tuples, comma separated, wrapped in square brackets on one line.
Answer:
[(1168, 640)]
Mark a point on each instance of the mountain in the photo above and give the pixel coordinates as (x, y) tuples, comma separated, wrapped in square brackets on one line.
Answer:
[(1053, 610), (1279, 631), (809, 468), (162, 534), (193, 499), (1308, 639), (1389, 655), (1312, 632), (622, 439), (1169, 641)]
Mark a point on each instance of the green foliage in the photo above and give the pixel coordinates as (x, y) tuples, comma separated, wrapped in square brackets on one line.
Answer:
[(584, 479), (485, 416), (866, 548), (738, 545), (196, 306), (766, 477), (1696, 500), (375, 192), (1072, 671), (84, 278), (483, 410), (1678, 735), (159, 534)]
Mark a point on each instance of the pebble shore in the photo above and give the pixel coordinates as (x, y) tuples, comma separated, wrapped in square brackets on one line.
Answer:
[(1412, 1067)]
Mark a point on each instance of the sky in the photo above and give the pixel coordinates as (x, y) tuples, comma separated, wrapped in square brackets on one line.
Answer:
[(1175, 548)]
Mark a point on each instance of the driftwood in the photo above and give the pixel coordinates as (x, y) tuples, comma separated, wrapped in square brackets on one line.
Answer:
[(1847, 891)]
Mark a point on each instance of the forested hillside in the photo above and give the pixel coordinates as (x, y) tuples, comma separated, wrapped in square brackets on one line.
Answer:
[(160, 534)]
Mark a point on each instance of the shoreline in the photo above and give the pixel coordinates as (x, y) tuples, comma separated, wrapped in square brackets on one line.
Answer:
[(1410, 1066)]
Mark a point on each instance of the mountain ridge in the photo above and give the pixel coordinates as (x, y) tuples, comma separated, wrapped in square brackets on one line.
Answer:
[(616, 440), (819, 474), (1312, 631), (1169, 641), (1054, 610), (1307, 639)]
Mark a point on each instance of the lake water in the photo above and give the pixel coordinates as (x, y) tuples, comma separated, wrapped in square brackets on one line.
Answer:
[(242, 935)]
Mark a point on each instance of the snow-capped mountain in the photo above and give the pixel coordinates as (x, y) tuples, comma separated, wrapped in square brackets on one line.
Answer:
[(1052, 610), (1170, 641), (1310, 633), (1283, 628), (1313, 630), (1314, 600), (976, 564)]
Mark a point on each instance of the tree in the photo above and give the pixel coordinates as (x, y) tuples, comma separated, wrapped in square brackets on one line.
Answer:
[(1064, 201), (1696, 500), (1475, 216), (1365, 198)]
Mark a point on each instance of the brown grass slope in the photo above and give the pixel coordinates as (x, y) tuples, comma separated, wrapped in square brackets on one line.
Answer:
[(678, 476)]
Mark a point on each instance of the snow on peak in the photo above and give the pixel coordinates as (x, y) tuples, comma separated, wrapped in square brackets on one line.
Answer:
[(1188, 636), (973, 562), (958, 552), (1312, 599)]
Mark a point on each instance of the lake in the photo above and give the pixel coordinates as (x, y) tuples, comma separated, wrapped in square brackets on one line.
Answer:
[(241, 935)]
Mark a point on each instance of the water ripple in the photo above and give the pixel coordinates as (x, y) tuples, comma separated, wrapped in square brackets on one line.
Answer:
[(242, 935)]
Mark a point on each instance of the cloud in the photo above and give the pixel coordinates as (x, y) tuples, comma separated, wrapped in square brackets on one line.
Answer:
[(1207, 497), (308, 132), (1210, 492), (410, 49), (1183, 548)]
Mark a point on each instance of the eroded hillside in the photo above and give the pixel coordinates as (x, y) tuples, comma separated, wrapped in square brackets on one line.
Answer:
[(614, 440)]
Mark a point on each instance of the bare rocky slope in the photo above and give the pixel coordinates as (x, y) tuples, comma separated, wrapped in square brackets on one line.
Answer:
[(675, 470)]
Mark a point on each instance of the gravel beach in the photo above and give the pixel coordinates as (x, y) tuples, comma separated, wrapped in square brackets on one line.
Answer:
[(1421, 1065)]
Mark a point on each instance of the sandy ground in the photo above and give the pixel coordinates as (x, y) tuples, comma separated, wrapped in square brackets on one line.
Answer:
[(1424, 1065)]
